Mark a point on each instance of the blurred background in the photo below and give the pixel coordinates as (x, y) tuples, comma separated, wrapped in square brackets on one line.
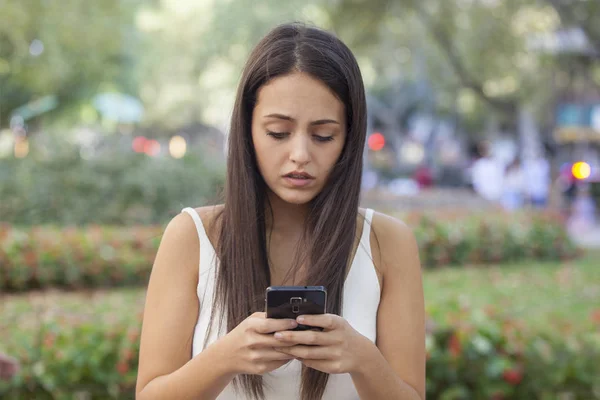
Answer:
[(483, 135)]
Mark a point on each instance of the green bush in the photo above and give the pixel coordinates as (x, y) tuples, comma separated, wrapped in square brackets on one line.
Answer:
[(117, 190), (65, 358), (492, 239), (495, 358), (95, 256), (481, 356)]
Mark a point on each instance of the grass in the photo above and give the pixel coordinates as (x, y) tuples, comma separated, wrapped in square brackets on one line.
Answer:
[(542, 295)]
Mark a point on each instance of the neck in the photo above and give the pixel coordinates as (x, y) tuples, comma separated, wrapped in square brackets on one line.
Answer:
[(286, 218)]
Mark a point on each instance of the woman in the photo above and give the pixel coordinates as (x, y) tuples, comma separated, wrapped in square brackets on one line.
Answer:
[(290, 217)]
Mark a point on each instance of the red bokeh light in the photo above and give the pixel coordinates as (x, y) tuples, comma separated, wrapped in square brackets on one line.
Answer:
[(152, 147), (376, 141), (139, 144)]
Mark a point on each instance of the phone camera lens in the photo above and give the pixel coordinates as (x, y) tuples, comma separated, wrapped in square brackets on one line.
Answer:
[(295, 302)]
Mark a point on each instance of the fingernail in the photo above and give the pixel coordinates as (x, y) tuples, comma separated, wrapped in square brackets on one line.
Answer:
[(293, 324), (278, 335), (300, 319)]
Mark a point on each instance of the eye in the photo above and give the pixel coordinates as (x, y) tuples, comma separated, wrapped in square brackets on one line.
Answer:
[(323, 138), (277, 135)]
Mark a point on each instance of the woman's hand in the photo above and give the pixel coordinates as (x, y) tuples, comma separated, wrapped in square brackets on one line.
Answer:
[(337, 349), (252, 345)]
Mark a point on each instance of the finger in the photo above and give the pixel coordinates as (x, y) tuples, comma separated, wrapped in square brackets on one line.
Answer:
[(314, 338), (267, 340), (308, 352), (275, 355), (271, 325), (326, 321)]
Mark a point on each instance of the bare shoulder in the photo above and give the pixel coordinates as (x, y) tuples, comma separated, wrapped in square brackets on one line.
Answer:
[(179, 240), (208, 215), (393, 241), (180, 244), (389, 225)]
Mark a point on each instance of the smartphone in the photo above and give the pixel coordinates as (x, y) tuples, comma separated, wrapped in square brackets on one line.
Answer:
[(292, 301)]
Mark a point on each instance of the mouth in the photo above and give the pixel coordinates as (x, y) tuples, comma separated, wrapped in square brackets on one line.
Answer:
[(299, 179), (299, 175)]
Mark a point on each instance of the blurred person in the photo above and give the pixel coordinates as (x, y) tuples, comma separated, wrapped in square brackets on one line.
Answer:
[(290, 217), (514, 186), (567, 185), (487, 175), (537, 180), (423, 176), (8, 367), (582, 218)]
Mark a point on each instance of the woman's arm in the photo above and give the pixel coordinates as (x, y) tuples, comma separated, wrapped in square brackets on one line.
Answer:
[(396, 368), (166, 369)]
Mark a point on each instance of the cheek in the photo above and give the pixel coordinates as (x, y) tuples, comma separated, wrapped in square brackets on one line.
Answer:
[(266, 156), (333, 155)]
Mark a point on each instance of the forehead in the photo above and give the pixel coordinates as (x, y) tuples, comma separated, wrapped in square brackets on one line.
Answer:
[(300, 96)]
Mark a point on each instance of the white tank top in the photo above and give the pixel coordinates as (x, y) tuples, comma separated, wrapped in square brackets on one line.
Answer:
[(360, 304)]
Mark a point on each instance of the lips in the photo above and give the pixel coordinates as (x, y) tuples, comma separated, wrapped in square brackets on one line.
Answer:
[(299, 179), (299, 175)]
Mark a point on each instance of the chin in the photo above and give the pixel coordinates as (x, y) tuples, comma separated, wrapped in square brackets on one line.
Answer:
[(296, 197)]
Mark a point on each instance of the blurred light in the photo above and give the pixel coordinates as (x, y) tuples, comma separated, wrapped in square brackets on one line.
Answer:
[(376, 141), (152, 147), (412, 152), (36, 47), (21, 147), (139, 144), (177, 146), (581, 170)]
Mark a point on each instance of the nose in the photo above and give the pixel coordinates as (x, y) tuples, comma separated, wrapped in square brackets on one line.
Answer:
[(300, 151)]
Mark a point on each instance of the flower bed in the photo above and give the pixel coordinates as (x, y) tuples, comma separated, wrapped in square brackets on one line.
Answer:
[(483, 355), (462, 239), (44, 257), (95, 256)]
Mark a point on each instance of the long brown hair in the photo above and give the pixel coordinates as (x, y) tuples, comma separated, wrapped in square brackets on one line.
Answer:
[(329, 233)]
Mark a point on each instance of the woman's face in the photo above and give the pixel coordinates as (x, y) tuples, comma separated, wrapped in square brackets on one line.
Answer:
[(298, 131)]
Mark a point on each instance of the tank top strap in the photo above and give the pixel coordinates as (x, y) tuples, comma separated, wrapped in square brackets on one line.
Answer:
[(202, 235), (365, 239)]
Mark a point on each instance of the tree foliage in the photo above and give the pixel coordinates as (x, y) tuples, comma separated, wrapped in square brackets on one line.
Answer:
[(68, 49), (183, 58)]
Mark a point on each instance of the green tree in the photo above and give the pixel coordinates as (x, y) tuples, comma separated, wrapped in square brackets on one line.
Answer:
[(68, 49), (195, 51), (477, 54)]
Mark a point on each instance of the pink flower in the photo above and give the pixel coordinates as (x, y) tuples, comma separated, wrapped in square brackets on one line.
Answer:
[(122, 367), (513, 376)]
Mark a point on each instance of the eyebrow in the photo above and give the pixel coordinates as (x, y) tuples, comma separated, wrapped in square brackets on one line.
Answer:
[(313, 123)]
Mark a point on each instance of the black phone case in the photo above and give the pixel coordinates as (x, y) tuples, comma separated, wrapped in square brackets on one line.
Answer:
[(292, 301)]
